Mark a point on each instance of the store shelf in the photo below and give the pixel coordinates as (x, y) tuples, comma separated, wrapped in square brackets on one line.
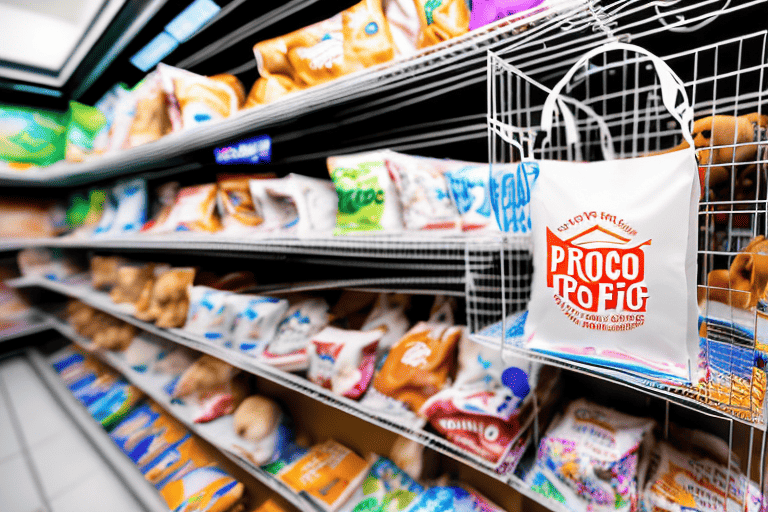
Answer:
[(146, 495), (23, 326), (686, 396), (376, 80)]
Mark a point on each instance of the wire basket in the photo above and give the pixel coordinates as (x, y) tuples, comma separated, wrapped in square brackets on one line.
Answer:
[(620, 90)]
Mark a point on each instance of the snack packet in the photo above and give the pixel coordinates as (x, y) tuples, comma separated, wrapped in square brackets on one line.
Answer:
[(39, 262), (443, 21), (25, 218), (150, 120), (83, 125), (278, 211), (207, 488), (404, 24), (114, 405), (367, 196), (419, 365), (141, 418), (315, 202), (423, 191), (177, 459), (108, 105), (165, 197), (470, 188), (302, 321), (104, 271), (352, 40), (386, 488), (261, 423), (147, 433), (453, 498), (488, 11), (133, 281), (125, 210), (206, 316), (253, 321), (168, 303), (388, 314), (200, 98), (235, 204), (589, 459), (32, 135), (330, 473), (145, 352), (193, 210), (343, 360)]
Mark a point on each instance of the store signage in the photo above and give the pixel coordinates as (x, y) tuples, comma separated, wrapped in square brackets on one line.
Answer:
[(256, 150)]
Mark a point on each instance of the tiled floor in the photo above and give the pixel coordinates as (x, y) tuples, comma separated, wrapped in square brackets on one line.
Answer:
[(46, 463)]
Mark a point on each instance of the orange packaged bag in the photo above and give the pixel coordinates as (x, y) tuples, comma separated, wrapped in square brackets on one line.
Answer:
[(354, 39), (441, 20), (238, 211)]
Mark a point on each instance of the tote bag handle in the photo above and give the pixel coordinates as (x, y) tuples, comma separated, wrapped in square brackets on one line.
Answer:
[(669, 82)]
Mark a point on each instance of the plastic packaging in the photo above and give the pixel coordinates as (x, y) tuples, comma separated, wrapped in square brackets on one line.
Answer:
[(236, 207), (108, 105), (47, 263), (451, 498), (115, 404), (329, 473), (343, 360), (125, 210), (367, 196), (208, 489), (470, 189), (388, 314), (253, 321), (84, 124), (590, 458), (30, 135), (149, 120), (279, 212), (206, 316), (386, 488), (25, 218), (193, 210), (488, 11), (302, 321), (423, 191), (261, 422), (441, 21)]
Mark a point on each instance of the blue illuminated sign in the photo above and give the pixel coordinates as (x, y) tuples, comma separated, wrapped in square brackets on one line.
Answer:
[(256, 150)]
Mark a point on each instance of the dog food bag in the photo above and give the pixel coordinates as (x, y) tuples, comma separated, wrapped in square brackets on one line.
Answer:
[(386, 488), (236, 207), (343, 360), (419, 365), (367, 195), (589, 459), (206, 315), (295, 331), (208, 488), (470, 190), (424, 195), (193, 210), (253, 321), (330, 473), (352, 40), (679, 482)]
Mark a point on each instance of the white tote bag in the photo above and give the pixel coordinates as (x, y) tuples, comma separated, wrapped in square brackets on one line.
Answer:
[(614, 246)]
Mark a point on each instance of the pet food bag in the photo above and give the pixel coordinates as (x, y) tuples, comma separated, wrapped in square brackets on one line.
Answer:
[(614, 243)]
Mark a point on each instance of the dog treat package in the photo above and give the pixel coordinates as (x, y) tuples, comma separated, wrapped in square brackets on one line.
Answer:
[(278, 211), (208, 488), (679, 481), (32, 136), (470, 190), (104, 271), (452, 497), (590, 458), (423, 191), (419, 365), (488, 11), (151, 120), (388, 315), (386, 488), (206, 315), (133, 280), (303, 320), (194, 209), (169, 300), (330, 473), (441, 21), (197, 99), (125, 209), (352, 40), (343, 360), (367, 196), (84, 123), (253, 321), (236, 206)]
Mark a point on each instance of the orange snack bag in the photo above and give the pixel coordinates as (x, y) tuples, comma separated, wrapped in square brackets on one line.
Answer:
[(236, 206), (419, 365), (441, 20), (354, 39), (329, 472), (193, 210)]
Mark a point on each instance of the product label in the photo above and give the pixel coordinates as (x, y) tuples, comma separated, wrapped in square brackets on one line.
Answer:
[(510, 192), (256, 150), (361, 197), (598, 274)]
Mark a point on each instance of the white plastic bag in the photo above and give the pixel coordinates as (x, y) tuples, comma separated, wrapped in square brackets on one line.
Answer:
[(614, 245)]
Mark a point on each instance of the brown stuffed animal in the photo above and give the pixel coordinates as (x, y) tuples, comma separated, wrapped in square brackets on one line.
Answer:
[(104, 271), (132, 281), (169, 300), (212, 384), (747, 277), (256, 420)]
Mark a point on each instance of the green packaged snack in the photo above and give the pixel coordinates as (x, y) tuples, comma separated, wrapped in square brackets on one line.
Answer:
[(32, 136), (85, 211), (386, 488), (368, 199), (83, 126)]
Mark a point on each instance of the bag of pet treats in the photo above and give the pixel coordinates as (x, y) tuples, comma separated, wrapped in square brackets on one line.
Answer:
[(253, 321), (352, 40), (614, 244), (367, 195), (589, 459), (423, 191)]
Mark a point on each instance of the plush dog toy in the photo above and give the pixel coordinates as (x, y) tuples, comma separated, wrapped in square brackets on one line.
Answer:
[(256, 420), (212, 384), (133, 281), (169, 300), (747, 277), (104, 271)]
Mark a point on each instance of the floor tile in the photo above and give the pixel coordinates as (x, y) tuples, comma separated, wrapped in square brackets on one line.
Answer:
[(9, 443), (17, 489), (98, 493), (65, 460)]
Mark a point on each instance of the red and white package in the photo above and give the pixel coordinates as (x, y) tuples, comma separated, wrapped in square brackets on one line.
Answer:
[(194, 209), (343, 360), (288, 349)]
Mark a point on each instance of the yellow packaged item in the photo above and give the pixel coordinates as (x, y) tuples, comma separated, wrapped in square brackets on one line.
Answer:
[(270, 506), (329, 472), (354, 39), (207, 489), (169, 300), (178, 458), (200, 98), (236, 206), (441, 20), (193, 210)]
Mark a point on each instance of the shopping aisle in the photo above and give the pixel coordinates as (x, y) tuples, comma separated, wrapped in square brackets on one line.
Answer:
[(46, 463)]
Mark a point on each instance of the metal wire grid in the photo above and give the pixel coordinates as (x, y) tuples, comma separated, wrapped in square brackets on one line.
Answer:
[(725, 78)]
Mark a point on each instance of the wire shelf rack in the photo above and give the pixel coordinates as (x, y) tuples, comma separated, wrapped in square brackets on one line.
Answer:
[(726, 78)]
